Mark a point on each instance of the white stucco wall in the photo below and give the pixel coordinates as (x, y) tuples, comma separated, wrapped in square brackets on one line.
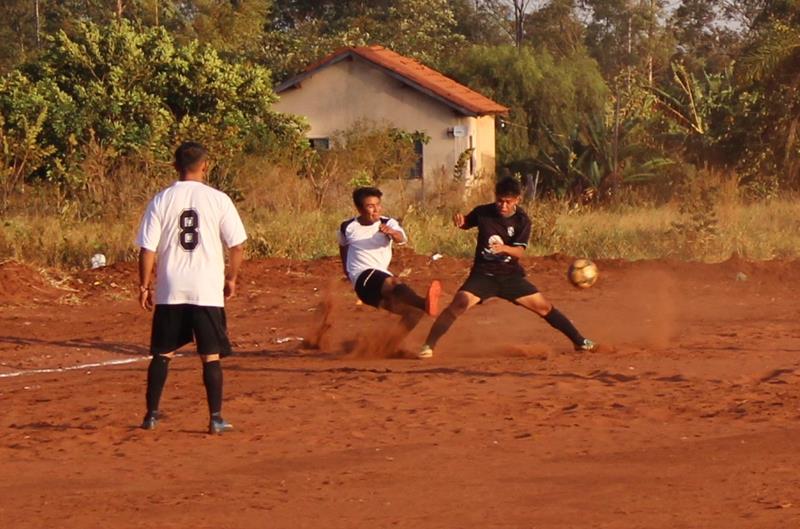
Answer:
[(336, 97)]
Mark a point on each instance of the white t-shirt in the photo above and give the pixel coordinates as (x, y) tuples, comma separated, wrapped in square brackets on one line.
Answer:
[(366, 246), (186, 225)]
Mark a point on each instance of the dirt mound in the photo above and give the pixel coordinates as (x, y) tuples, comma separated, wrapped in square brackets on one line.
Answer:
[(116, 279), (21, 284)]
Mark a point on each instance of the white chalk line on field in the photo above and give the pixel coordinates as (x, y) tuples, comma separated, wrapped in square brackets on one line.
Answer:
[(73, 368)]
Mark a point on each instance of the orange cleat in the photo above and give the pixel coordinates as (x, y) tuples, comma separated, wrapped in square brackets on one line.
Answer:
[(432, 299)]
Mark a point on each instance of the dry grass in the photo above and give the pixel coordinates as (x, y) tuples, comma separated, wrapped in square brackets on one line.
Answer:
[(283, 221)]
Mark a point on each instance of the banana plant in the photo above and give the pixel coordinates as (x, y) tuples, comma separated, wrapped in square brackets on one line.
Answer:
[(599, 156)]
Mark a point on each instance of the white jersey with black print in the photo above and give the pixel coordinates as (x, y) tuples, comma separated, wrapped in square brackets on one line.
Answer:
[(367, 247), (186, 226)]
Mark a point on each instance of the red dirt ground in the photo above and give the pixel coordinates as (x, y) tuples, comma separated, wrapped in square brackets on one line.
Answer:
[(688, 418)]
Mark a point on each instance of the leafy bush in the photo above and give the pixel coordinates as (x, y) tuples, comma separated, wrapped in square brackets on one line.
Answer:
[(364, 154), (698, 226), (136, 94), (545, 95)]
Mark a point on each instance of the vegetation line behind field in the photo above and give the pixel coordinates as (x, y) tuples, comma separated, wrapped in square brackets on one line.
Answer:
[(758, 231)]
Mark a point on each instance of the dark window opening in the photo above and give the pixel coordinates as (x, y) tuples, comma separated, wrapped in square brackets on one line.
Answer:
[(320, 144), (416, 170), (471, 158)]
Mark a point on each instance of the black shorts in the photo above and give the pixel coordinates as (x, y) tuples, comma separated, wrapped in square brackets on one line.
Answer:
[(369, 284), (176, 325), (508, 287)]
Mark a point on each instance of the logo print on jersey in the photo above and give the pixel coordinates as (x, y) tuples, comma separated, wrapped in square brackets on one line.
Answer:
[(511, 231)]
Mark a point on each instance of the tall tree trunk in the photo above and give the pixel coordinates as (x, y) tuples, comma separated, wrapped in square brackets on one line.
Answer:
[(38, 23), (789, 157), (651, 16), (120, 7), (790, 163), (518, 22)]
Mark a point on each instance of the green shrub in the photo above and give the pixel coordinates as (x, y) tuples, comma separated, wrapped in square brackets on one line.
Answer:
[(134, 94)]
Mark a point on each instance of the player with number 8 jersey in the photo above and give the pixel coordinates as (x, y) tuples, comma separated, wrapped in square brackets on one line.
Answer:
[(184, 233)]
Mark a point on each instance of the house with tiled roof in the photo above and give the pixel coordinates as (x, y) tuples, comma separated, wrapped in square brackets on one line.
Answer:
[(373, 84)]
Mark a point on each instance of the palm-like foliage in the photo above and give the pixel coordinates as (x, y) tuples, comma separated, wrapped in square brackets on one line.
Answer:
[(774, 54), (695, 110), (771, 67), (600, 155)]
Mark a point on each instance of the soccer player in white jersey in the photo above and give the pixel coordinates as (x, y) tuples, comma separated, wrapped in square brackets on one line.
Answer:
[(182, 233), (365, 246)]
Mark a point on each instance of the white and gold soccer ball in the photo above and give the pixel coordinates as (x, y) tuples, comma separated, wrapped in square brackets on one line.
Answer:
[(582, 273)]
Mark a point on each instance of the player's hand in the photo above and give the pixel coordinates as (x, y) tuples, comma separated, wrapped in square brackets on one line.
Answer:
[(146, 299), (458, 220), (230, 288), (386, 230), (498, 247)]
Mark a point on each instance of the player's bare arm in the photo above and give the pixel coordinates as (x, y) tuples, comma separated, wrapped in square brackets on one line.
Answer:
[(343, 256), (236, 256), (395, 235), (147, 261)]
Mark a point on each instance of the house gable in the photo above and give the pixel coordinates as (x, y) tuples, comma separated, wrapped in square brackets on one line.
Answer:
[(350, 91), (413, 74), (347, 91)]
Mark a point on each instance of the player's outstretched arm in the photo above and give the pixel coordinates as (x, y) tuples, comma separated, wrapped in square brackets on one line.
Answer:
[(234, 263), (343, 257), (147, 260), (458, 220)]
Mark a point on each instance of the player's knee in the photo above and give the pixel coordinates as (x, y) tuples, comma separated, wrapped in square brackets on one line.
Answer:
[(459, 305), (209, 358), (537, 304), (167, 356), (389, 285)]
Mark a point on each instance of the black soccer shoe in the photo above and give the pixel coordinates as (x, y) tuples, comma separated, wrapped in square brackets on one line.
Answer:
[(150, 420), (217, 425)]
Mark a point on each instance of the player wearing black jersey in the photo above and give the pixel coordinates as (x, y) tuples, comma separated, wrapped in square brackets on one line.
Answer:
[(503, 233)]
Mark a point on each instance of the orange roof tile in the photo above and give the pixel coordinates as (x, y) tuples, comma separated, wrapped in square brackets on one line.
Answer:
[(413, 73)]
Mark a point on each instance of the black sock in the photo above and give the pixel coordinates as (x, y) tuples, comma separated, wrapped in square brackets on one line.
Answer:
[(156, 378), (405, 294), (212, 379), (557, 320)]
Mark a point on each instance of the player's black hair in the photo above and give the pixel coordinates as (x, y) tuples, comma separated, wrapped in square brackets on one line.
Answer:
[(365, 192), (508, 187), (188, 155)]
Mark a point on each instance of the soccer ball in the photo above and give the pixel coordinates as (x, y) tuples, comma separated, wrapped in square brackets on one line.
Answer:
[(582, 273)]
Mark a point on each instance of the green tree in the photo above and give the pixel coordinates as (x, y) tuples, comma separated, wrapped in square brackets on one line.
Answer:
[(629, 35), (696, 112), (546, 97), (708, 35), (19, 31), (302, 32), (511, 16), (473, 23), (136, 93), (232, 27), (557, 27), (769, 76), (602, 153)]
